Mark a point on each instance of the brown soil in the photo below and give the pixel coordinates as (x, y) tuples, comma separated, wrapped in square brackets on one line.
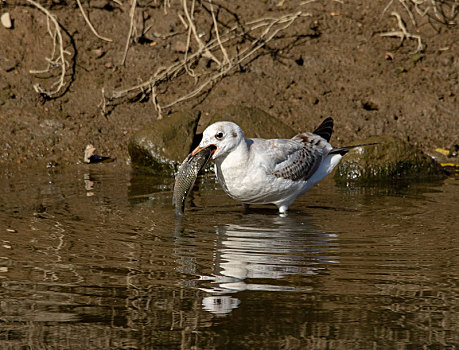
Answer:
[(331, 63)]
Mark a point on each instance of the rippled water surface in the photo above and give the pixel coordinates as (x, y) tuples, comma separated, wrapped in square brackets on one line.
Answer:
[(93, 258)]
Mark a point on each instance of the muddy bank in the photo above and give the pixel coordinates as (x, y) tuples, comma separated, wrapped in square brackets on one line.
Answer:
[(308, 61)]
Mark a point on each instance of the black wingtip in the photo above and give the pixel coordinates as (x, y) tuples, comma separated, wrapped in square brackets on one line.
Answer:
[(325, 129)]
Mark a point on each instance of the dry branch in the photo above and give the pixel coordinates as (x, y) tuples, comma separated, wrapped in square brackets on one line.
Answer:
[(192, 28), (432, 6), (434, 9), (217, 34), (59, 61), (403, 33), (131, 28), (269, 27), (235, 61), (90, 24)]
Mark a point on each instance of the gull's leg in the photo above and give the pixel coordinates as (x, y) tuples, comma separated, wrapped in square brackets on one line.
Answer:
[(245, 207)]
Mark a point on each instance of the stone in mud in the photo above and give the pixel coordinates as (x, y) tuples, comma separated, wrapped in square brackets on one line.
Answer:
[(164, 144), (391, 159), (5, 19), (253, 121)]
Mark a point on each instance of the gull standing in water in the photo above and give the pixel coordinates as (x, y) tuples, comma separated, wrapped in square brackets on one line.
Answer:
[(264, 171)]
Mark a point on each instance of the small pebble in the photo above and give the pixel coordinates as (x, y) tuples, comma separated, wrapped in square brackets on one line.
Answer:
[(6, 20), (389, 56), (98, 52)]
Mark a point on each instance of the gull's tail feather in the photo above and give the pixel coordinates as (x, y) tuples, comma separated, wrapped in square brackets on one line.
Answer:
[(343, 150), (325, 129)]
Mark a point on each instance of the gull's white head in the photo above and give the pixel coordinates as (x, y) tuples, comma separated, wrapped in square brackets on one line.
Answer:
[(222, 136)]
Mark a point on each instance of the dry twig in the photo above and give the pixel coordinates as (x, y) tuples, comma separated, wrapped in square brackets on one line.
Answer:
[(440, 15), (192, 28), (103, 103), (225, 54), (270, 28), (306, 2), (90, 24), (131, 28), (59, 61), (423, 8), (235, 61), (403, 33), (155, 102), (166, 4)]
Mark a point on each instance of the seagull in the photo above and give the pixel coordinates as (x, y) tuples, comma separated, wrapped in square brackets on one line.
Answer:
[(270, 171)]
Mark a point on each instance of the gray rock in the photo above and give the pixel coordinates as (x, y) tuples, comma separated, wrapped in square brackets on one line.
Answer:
[(164, 144), (391, 159), (253, 121)]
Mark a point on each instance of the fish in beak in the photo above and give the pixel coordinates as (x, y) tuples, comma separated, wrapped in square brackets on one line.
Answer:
[(199, 149)]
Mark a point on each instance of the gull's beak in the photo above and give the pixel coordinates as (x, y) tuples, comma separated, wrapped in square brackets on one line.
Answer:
[(196, 150), (199, 149)]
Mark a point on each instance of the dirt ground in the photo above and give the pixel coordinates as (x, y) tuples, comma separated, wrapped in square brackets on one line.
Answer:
[(300, 61)]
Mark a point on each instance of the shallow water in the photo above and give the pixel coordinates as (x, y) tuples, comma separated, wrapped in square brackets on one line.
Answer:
[(92, 257)]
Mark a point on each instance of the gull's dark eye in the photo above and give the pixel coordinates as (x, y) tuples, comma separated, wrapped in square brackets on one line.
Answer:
[(219, 135)]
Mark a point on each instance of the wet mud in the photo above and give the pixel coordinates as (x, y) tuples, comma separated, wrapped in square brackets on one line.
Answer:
[(331, 60)]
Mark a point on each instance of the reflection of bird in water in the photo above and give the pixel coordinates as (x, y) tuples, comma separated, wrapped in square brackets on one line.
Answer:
[(277, 171), (264, 249), (220, 304), (269, 253)]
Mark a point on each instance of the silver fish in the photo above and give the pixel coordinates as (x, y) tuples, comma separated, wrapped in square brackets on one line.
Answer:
[(186, 176)]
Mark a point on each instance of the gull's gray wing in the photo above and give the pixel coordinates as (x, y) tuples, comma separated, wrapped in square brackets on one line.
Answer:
[(295, 159)]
